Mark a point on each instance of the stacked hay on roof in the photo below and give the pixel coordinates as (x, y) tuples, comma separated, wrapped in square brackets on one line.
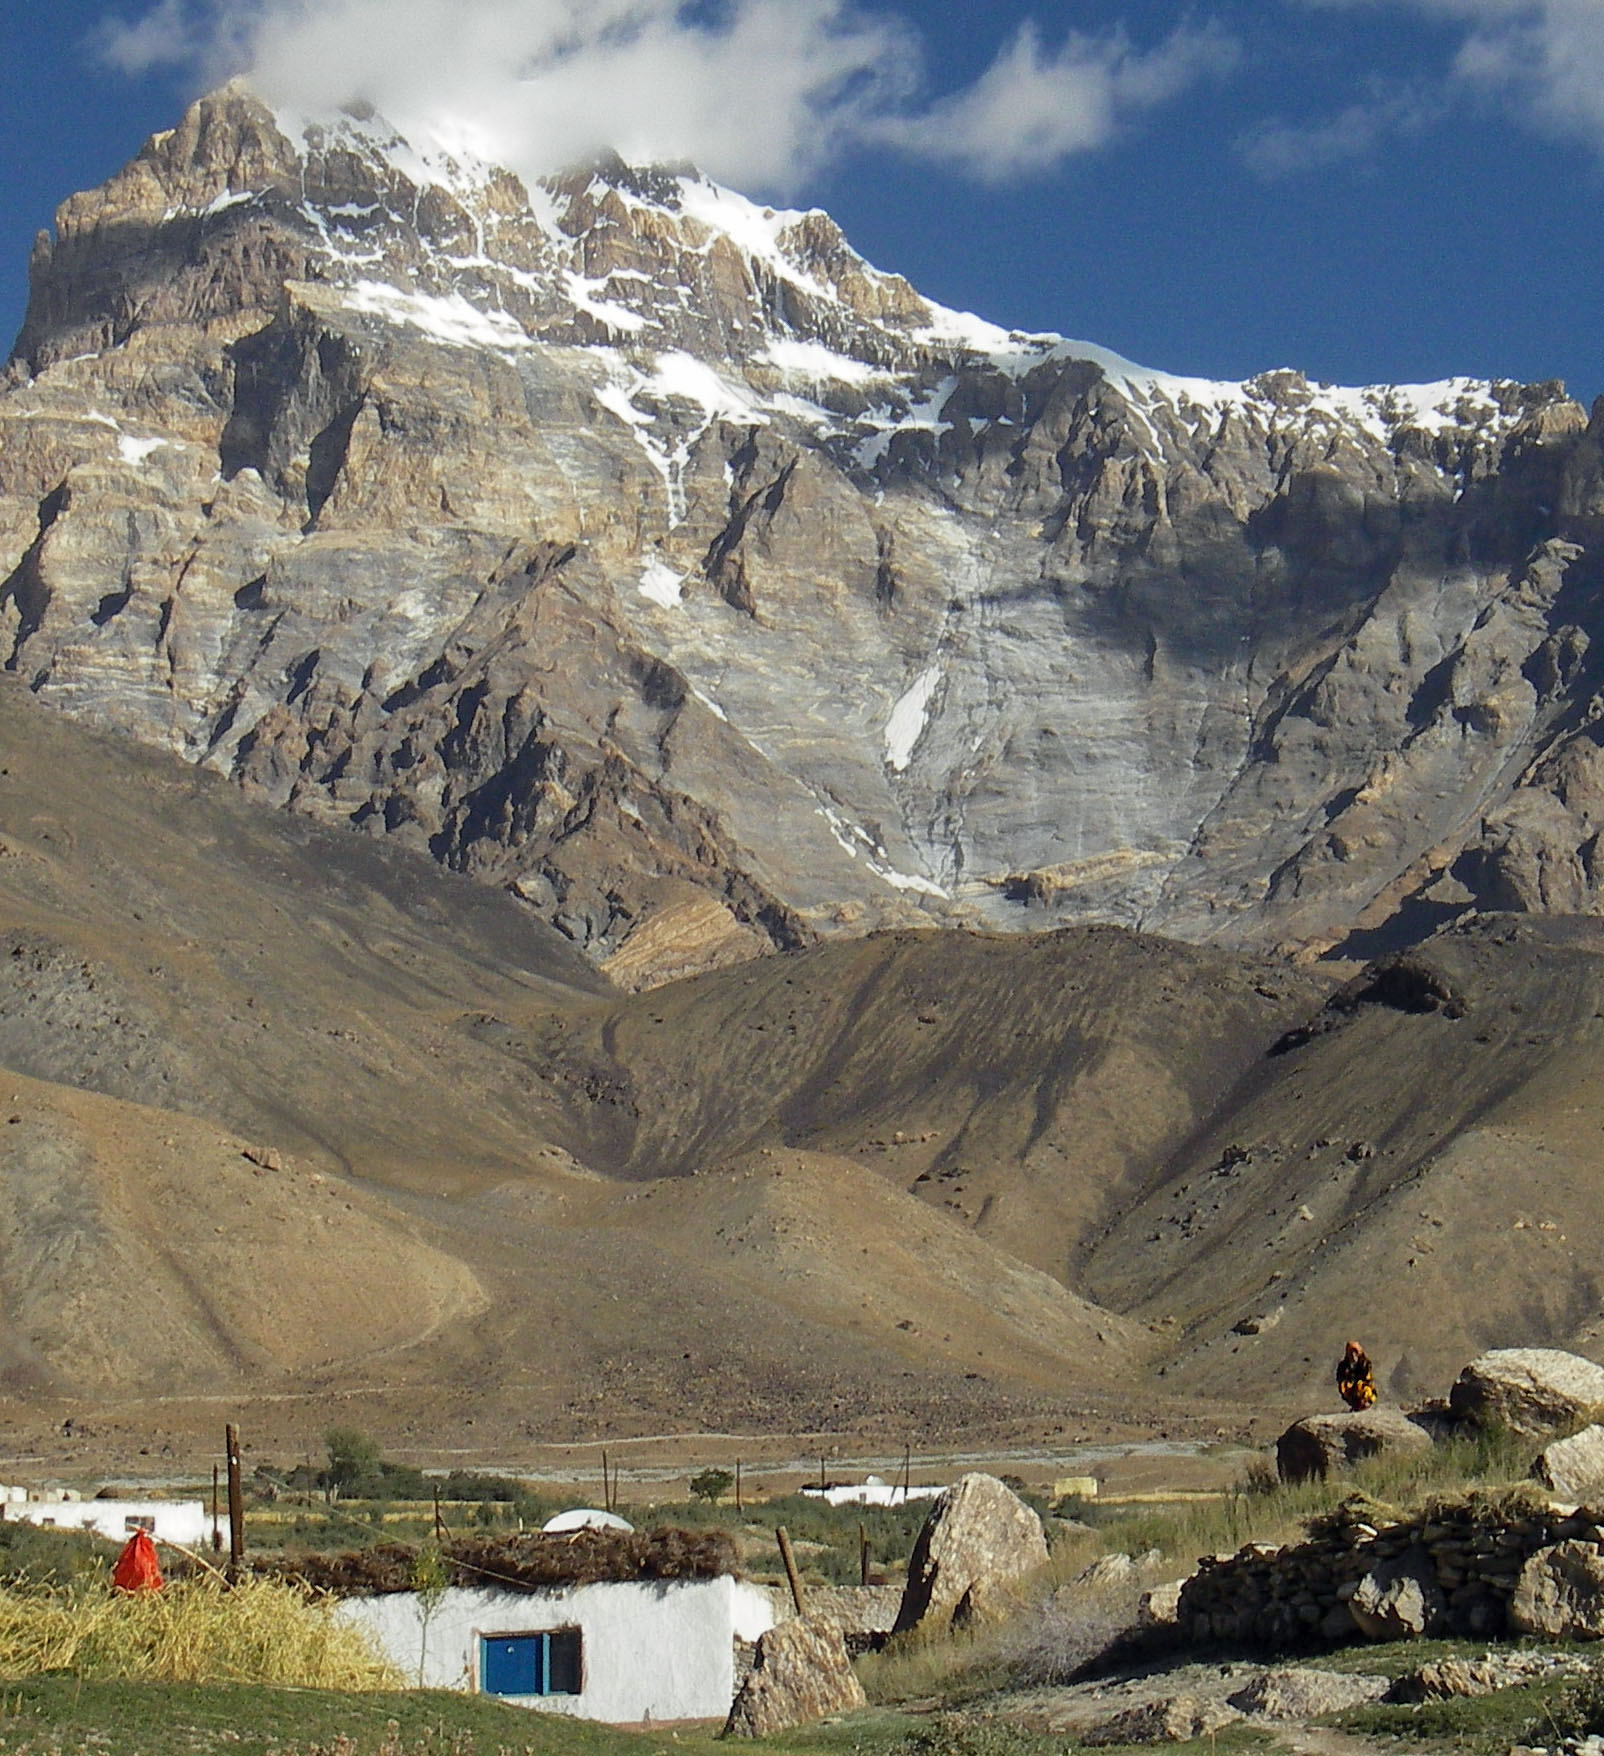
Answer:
[(529, 1561)]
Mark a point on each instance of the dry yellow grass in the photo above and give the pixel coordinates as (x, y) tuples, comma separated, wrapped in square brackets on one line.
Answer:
[(193, 1631)]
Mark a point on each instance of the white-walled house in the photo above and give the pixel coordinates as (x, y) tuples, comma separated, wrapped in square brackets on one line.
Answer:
[(871, 1491), (169, 1521), (622, 1651)]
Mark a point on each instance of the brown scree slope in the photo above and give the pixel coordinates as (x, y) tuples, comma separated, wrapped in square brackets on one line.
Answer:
[(306, 1125)]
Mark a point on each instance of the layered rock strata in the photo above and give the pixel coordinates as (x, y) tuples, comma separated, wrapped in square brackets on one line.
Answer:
[(648, 552)]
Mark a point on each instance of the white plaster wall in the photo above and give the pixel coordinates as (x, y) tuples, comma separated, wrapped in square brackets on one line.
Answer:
[(662, 1651), (177, 1521), (753, 1609)]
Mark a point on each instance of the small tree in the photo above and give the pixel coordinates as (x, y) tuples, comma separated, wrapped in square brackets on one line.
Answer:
[(711, 1485), (353, 1458), (429, 1580)]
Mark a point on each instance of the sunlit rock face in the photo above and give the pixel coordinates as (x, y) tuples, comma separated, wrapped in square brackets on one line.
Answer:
[(649, 552)]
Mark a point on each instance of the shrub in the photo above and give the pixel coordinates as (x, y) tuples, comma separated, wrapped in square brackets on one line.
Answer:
[(712, 1485), (471, 1484)]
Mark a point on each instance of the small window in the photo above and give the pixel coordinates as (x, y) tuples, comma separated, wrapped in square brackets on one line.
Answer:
[(140, 1521), (532, 1664)]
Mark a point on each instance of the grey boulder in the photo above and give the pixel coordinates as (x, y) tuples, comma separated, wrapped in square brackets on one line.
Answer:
[(978, 1539), (1173, 1719), (1531, 1390), (1573, 1468), (802, 1673), (1295, 1692), (1315, 1446)]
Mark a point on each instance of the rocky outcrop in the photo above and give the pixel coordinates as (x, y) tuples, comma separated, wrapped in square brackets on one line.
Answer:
[(1535, 1391), (1296, 1693), (1450, 1678), (1172, 1719), (1312, 1448), (647, 552), (801, 1674), (1560, 1593), (856, 1610), (978, 1539)]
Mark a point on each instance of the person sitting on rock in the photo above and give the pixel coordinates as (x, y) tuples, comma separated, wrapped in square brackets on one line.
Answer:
[(1356, 1383)]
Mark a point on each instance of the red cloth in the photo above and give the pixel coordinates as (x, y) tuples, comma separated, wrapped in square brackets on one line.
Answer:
[(137, 1568)]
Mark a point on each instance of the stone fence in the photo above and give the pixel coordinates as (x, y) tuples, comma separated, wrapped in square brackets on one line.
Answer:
[(1450, 1569)]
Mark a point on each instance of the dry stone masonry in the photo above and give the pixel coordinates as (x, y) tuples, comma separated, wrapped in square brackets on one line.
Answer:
[(1451, 1569)]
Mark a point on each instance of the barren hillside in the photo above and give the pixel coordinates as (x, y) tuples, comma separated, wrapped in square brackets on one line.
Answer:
[(300, 1123)]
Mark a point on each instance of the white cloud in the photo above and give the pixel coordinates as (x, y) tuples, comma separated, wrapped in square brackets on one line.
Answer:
[(759, 93), (164, 36), (1278, 149), (1032, 109), (1548, 55), (1542, 60)]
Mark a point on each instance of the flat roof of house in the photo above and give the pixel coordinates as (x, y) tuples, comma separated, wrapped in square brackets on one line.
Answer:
[(525, 1561)]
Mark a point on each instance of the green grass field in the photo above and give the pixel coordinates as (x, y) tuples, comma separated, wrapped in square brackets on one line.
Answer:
[(65, 1716)]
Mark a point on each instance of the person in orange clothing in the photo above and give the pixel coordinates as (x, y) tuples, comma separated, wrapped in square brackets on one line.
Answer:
[(137, 1568), (1356, 1383)]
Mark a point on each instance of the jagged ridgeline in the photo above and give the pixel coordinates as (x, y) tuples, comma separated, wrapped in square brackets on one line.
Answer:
[(646, 551)]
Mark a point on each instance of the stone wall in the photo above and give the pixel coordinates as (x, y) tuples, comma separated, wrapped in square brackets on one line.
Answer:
[(1299, 1596)]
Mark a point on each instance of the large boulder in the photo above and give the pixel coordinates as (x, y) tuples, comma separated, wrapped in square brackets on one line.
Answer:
[(1560, 1593), (979, 1537), (1573, 1468), (801, 1673), (1531, 1390), (1319, 1444), (1400, 1599)]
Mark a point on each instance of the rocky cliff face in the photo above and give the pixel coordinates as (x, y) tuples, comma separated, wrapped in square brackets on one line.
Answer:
[(651, 554)]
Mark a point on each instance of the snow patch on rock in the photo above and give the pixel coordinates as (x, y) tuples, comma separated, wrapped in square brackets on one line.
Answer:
[(908, 718), (448, 319), (661, 583)]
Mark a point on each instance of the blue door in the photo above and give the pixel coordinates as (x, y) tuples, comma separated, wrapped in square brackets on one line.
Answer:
[(532, 1664), (512, 1664)]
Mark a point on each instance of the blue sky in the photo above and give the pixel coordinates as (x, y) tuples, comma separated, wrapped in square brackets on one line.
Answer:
[(1370, 190)]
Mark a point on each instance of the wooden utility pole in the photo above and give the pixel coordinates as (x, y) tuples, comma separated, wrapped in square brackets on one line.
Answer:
[(217, 1532), (738, 1506), (907, 1471), (236, 1503), (782, 1537), (607, 1491), (863, 1555)]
